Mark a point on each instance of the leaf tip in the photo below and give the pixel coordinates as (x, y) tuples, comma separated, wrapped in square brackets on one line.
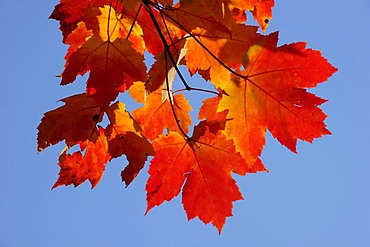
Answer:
[(55, 185), (148, 208)]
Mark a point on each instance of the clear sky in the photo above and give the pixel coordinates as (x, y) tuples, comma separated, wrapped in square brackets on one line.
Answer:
[(320, 197)]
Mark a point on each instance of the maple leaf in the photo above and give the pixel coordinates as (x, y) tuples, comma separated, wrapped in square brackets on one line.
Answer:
[(70, 12), (154, 109), (262, 12), (204, 163), (190, 14), (106, 23), (208, 111), (217, 120), (77, 168), (216, 44), (125, 138), (116, 64), (137, 92), (272, 96), (74, 122), (77, 38)]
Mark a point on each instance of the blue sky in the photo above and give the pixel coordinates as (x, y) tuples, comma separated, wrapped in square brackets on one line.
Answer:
[(320, 197)]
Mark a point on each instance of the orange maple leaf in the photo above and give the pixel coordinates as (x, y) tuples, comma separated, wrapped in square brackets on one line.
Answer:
[(137, 92), (262, 12), (108, 24), (154, 109), (77, 168), (77, 38), (204, 163), (272, 95), (70, 12), (217, 44), (209, 112), (125, 138)]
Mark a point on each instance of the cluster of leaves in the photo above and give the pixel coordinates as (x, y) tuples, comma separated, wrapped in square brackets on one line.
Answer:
[(258, 86)]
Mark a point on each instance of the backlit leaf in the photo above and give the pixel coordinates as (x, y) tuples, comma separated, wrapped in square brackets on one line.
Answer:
[(120, 25), (74, 122), (273, 96), (76, 168), (154, 109), (262, 12), (125, 138), (202, 168), (116, 63), (227, 48)]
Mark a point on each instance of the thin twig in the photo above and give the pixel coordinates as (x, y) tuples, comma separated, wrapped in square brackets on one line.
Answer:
[(133, 23), (197, 89), (168, 52), (166, 46), (172, 104), (198, 41)]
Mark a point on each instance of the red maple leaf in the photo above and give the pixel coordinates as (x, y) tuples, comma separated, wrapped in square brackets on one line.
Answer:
[(154, 109), (74, 122), (102, 58), (202, 166), (271, 94), (77, 168), (70, 12), (125, 138)]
